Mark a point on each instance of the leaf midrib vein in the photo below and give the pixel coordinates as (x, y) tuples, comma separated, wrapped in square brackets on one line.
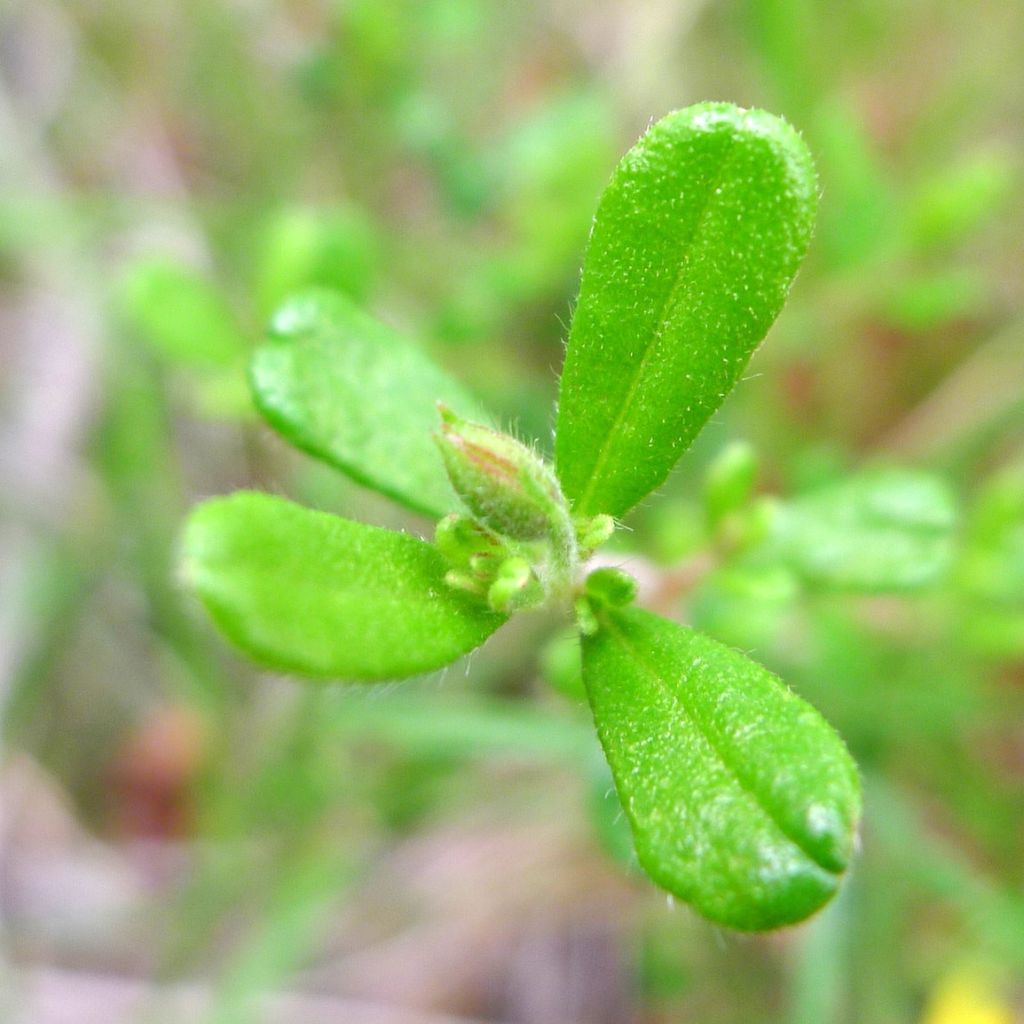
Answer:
[(745, 787), (670, 299)]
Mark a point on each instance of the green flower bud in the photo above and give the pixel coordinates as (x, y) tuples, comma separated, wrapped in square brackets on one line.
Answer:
[(461, 539), (592, 532), (610, 587), (501, 481), (586, 618), (464, 581), (515, 587)]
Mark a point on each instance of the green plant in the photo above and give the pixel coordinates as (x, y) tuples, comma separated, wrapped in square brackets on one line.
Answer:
[(741, 799)]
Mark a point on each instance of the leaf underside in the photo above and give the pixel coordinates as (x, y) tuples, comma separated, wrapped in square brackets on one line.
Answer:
[(695, 243), (308, 592), (350, 391), (743, 801)]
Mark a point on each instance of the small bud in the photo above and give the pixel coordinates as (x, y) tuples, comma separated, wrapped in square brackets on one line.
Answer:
[(592, 532), (515, 587), (610, 587), (460, 538), (502, 482), (486, 562), (463, 581), (586, 619)]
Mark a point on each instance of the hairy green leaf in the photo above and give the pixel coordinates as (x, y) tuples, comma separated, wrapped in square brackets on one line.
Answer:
[(695, 243), (883, 530), (347, 389), (742, 799), (308, 592)]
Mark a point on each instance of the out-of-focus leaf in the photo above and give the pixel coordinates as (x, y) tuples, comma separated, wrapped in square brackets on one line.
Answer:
[(746, 605), (742, 799), (884, 530), (469, 727), (860, 220), (931, 300), (783, 33), (959, 199), (223, 394), (552, 166), (729, 482), (940, 870), (694, 246), (560, 665), (299, 907), (990, 572), (303, 248), (311, 593), (182, 315), (672, 530), (347, 389)]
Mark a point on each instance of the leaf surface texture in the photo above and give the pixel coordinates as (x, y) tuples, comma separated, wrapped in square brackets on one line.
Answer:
[(312, 593), (695, 243), (742, 799)]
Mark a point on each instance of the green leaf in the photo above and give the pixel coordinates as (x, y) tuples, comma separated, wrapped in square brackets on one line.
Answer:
[(742, 799), (302, 247), (308, 592), (990, 570), (730, 480), (694, 246), (182, 315), (924, 302), (608, 820), (347, 389), (467, 726), (860, 222), (884, 530), (960, 198), (560, 665), (748, 604)]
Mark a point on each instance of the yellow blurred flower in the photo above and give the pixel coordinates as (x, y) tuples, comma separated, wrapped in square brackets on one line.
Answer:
[(963, 997)]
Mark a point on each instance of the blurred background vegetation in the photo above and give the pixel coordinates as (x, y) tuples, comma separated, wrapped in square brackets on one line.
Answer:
[(184, 838)]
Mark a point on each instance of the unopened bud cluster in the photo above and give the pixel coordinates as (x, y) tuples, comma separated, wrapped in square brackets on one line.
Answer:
[(608, 587), (519, 544), (592, 532), (484, 564)]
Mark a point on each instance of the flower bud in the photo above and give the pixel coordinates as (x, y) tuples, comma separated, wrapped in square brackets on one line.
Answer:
[(461, 539), (592, 532), (610, 587), (501, 481), (586, 617), (515, 587)]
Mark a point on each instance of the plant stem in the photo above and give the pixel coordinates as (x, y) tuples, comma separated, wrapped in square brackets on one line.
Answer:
[(564, 561)]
